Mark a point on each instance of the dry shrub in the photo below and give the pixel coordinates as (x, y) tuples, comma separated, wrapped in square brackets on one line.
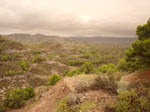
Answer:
[(137, 84), (106, 83), (99, 82), (122, 86), (82, 86)]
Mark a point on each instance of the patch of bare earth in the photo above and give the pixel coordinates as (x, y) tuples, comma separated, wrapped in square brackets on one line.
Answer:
[(136, 76)]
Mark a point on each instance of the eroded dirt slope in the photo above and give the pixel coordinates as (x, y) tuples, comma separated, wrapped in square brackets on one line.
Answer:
[(136, 76), (48, 103)]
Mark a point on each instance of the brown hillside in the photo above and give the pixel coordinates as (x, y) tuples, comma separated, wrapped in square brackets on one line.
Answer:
[(9, 44), (136, 76)]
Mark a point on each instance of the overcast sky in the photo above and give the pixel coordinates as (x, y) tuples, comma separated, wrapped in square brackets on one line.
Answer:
[(73, 17)]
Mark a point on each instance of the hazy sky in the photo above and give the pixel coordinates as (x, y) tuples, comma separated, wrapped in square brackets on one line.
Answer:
[(73, 17)]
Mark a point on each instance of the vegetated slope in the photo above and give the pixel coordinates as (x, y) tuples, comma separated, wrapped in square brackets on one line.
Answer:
[(41, 63), (7, 44), (28, 38), (17, 69)]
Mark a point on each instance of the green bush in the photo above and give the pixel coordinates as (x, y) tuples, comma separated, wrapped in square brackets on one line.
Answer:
[(122, 64), (11, 72), (18, 55), (84, 56), (38, 52), (129, 64), (72, 72), (107, 68), (109, 57), (50, 56), (87, 68), (63, 55), (24, 64), (37, 58), (20, 72), (6, 57), (2, 108), (66, 71), (17, 97), (99, 61), (1, 49), (75, 62), (30, 91), (54, 78)]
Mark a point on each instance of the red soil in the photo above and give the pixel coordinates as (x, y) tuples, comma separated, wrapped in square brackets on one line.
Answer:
[(136, 76)]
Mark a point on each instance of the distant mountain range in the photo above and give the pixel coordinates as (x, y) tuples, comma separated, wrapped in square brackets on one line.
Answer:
[(28, 38), (121, 40)]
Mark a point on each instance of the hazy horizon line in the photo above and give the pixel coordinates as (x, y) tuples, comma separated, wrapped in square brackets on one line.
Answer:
[(68, 36)]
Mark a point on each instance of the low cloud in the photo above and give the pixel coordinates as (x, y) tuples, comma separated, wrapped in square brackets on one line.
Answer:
[(68, 17)]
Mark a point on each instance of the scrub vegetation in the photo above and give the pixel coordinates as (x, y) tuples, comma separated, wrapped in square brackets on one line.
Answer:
[(28, 66)]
